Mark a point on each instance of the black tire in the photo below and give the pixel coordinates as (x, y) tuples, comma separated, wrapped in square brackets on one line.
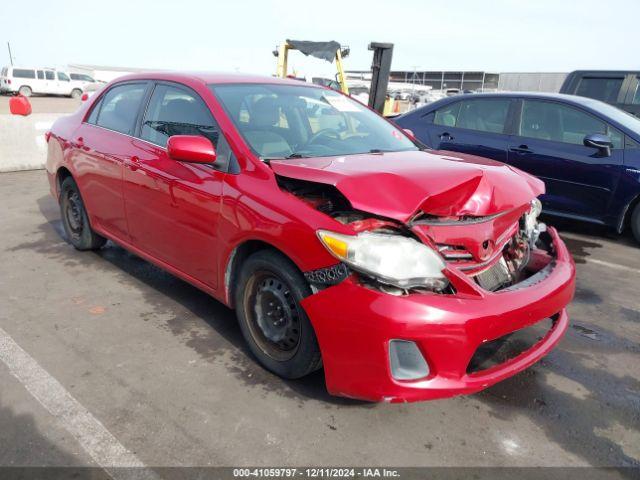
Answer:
[(635, 222), (25, 91), (75, 220), (76, 93), (273, 323)]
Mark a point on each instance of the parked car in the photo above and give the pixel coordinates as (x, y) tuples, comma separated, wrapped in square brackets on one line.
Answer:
[(83, 80), (620, 88), (338, 241), (46, 81), (586, 151)]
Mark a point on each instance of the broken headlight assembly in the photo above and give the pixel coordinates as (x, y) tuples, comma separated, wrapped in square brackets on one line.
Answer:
[(390, 259)]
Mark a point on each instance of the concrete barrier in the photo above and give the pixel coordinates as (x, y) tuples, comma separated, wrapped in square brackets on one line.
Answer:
[(22, 142)]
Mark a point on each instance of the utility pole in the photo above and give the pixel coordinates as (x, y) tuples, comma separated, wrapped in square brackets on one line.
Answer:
[(10, 56)]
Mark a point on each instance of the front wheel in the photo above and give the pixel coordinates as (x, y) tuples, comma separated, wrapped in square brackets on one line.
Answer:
[(76, 93), (274, 324), (75, 219)]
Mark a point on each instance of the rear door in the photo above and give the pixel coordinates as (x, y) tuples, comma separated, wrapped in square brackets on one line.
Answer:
[(549, 144), (50, 82), (173, 206), (473, 126), (102, 144), (40, 83)]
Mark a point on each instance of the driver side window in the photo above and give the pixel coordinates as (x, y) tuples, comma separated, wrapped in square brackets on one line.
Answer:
[(176, 111), (561, 123)]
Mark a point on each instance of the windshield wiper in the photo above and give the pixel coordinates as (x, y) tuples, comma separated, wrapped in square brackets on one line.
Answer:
[(295, 155)]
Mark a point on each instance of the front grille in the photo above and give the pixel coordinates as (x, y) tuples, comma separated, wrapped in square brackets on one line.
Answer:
[(495, 277)]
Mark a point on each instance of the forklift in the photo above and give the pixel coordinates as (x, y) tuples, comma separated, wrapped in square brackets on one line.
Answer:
[(332, 50)]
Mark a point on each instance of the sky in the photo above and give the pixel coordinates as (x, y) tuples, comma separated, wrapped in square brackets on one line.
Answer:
[(239, 35)]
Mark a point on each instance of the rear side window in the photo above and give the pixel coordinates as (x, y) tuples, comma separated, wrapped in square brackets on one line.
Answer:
[(93, 117), (600, 88), (487, 115), (40, 75), (4, 72), (48, 74), (176, 111), (119, 107), (24, 73), (447, 115)]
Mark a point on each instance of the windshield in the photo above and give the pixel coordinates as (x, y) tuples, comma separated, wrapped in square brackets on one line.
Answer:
[(625, 119), (285, 121)]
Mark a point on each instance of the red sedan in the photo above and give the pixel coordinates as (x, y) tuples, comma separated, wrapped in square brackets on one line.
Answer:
[(339, 240)]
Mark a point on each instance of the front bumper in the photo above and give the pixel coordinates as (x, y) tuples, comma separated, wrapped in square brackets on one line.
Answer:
[(354, 325)]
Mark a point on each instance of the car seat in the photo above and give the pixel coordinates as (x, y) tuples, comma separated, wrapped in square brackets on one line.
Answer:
[(260, 132)]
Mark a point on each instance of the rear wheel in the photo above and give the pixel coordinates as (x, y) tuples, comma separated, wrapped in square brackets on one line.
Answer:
[(274, 324), (25, 91), (75, 219), (76, 93), (635, 222)]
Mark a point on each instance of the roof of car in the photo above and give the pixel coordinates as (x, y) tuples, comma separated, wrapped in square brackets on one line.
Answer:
[(209, 77), (544, 95), (584, 102)]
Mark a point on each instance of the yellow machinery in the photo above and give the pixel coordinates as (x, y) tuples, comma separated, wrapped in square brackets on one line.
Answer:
[(330, 51), (324, 50)]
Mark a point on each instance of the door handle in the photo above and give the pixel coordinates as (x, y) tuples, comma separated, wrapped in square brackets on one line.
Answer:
[(446, 136), (521, 149)]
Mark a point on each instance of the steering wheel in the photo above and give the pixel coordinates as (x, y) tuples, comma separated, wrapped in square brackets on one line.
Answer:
[(325, 132)]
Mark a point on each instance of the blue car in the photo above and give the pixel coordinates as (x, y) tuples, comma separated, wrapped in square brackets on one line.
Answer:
[(586, 151)]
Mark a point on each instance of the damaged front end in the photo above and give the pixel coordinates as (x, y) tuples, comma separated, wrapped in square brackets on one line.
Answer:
[(428, 253)]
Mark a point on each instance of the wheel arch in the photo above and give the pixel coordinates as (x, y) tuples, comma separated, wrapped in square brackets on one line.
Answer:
[(625, 217), (61, 175), (237, 258)]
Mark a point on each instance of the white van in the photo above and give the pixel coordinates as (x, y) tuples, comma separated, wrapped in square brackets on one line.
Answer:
[(28, 81)]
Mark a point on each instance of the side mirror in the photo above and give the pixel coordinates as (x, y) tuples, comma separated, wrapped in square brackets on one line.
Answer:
[(191, 148), (599, 141), (20, 105)]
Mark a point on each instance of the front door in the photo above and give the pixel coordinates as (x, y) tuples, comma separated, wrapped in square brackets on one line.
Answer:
[(549, 144), (173, 206)]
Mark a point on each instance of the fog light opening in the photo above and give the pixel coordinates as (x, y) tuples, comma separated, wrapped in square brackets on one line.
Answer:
[(406, 361)]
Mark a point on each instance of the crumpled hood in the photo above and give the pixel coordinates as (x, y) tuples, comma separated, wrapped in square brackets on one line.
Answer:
[(400, 184)]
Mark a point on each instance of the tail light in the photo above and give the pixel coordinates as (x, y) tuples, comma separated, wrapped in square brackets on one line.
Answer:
[(47, 136)]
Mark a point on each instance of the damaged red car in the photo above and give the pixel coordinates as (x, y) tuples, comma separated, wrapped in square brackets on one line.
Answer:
[(339, 240)]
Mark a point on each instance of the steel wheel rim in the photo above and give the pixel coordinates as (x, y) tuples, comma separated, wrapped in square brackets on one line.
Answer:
[(73, 213), (273, 315)]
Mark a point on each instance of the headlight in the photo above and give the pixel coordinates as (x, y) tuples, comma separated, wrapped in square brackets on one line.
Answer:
[(391, 259)]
